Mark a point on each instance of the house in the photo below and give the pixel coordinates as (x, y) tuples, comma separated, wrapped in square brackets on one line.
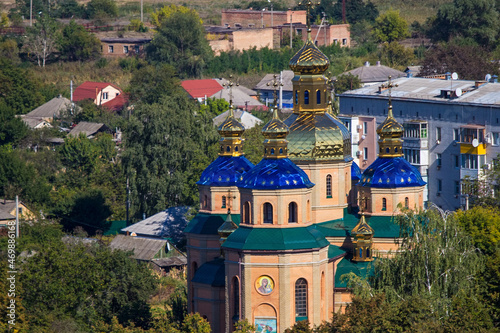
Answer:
[(8, 211), (36, 123), (325, 34), (225, 39), (246, 119), (266, 91), (120, 47), (201, 89), (451, 129), (248, 18), (89, 129), (161, 253), (240, 99), (379, 73), (50, 110), (102, 94)]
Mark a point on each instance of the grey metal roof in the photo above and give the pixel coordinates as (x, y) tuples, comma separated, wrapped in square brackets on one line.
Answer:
[(144, 248), (87, 128), (168, 223), (172, 261), (245, 118), (430, 90), (377, 73), (246, 90), (6, 216), (239, 98), (51, 108), (286, 80), (34, 122)]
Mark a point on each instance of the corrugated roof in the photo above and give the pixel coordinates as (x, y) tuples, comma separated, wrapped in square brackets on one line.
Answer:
[(168, 223), (143, 248), (430, 90), (377, 73), (246, 90), (201, 88), (6, 216), (34, 122), (246, 119), (173, 261), (117, 103), (51, 108), (87, 128), (240, 99), (287, 76)]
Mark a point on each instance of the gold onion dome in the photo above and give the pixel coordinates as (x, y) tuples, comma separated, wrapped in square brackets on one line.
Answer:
[(390, 132), (275, 132), (362, 228), (309, 59), (390, 127), (231, 127)]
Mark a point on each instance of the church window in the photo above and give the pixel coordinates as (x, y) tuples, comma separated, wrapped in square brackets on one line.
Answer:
[(306, 97), (205, 201), (328, 186), (292, 213), (235, 148), (296, 97), (384, 204), (236, 297), (387, 150), (228, 149), (272, 151), (368, 253), (407, 202), (318, 96), (281, 150), (268, 213), (223, 201), (360, 253), (301, 299), (246, 212)]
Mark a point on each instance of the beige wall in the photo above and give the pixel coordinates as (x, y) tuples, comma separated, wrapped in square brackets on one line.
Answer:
[(260, 19), (117, 50), (393, 196), (106, 95), (240, 40), (211, 199)]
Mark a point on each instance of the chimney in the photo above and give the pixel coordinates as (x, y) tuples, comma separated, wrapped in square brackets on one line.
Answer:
[(447, 76), (378, 63), (367, 64), (494, 79)]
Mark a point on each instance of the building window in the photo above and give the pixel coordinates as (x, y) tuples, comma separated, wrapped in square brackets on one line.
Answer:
[(246, 212), (344, 41), (335, 41), (439, 160), (365, 153), (457, 187), (365, 127), (328, 186), (105, 95), (318, 96), (360, 253), (423, 131), (292, 213), (440, 185), (456, 134), (236, 297), (111, 49), (438, 133), (301, 299), (407, 202), (223, 201), (457, 162), (205, 201), (125, 49), (495, 139), (137, 49), (412, 155), (469, 161), (296, 97), (384, 204), (306, 97), (268, 213)]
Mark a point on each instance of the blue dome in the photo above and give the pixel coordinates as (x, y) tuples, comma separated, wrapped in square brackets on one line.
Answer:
[(355, 172), (275, 174), (225, 171), (391, 172)]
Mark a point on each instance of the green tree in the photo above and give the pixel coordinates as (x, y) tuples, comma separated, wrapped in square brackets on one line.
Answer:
[(9, 50), (475, 19), (150, 83), (355, 10), (42, 39), (347, 82), (102, 9), (12, 129), (168, 144), (302, 326), (396, 55), (243, 326), (79, 153), (69, 9), (390, 27), (180, 41), (215, 106), (77, 44), (194, 323)]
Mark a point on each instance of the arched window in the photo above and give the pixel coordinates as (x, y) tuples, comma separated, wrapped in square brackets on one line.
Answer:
[(396, 149), (292, 212), (272, 151), (281, 150), (228, 149), (268, 213), (205, 201), (384, 204), (246, 212), (407, 204), (318, 96), (236, 297), (296, 97), (387, 150), (360, 253), (223, 201), (300, 299), (329, 186), (306, 97), (368, 253)]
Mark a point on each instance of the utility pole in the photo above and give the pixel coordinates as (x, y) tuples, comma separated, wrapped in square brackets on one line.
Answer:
[(31, 13), (142, 11), (291, 20)]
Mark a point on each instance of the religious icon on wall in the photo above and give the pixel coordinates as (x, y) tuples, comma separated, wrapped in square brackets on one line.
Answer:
[(264, 285), (265, 325)]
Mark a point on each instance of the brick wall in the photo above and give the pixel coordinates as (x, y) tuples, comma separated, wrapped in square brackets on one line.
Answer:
[(260, 19), (120, 50)]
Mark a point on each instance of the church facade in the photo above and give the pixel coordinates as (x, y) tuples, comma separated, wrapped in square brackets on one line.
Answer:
[(271, 241)]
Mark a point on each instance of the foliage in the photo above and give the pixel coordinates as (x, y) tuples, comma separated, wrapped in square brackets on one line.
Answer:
[(346, 82), (355, 10), (137, 25), (163, 14), (9, 50), (243, 326), (471, 62), (69, 9), (12, 129), (361, 32), (113, 285), (150, 83), (167, 148), (396, 55), (77, 44), (102, 8), (194, 323), (390, 27), (180, 41), (475, 19), (483, 225), (80, 153), (22, 7), (302, 326), (42, 40), (215, 106)]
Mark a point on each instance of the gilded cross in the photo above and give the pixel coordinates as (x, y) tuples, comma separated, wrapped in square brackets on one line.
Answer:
[(389, 85), (229, 201), (309, 4), (275, 83), (229, 84)]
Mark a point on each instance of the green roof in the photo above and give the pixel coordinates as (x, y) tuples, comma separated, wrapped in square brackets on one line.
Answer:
[(115, 227), (335, 251), (346, 265), (212, 273), (207, 224), (245, 238), (383, 226)]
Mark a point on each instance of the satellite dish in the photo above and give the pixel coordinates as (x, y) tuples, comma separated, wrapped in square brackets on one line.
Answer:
[(475, 143), (487, 77), (454, 76), (458, 92)]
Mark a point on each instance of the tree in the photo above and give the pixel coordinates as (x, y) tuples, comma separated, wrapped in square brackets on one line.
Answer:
[(475, 19), (79, 153), (243, 326), (194, 323), (77, 44), (300, 327), (12, 129), (396, 55), (102, 9), (347, 82), (390, 27), (180, 41), (70, 9), (471, 62), (41, 39), (151, 82), (168, 144), (355, 10)]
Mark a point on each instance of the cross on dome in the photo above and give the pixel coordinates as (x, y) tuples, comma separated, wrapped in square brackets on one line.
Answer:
[(229, 84)]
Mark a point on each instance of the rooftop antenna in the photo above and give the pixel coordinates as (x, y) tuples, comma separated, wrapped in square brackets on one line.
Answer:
[(454, 76), (275, 83), (229, 84)]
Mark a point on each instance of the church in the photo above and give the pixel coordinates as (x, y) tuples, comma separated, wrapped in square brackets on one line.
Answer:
[(271, 241)]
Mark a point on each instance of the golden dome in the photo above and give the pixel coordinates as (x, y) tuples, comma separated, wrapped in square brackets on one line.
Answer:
[(390, 127), (231, 127), (390, 132), (362, 228), (309, 59), (275, 128)]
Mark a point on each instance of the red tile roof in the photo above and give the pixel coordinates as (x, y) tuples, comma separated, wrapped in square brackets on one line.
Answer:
[(89, 90), (201, 88), (117, 103)]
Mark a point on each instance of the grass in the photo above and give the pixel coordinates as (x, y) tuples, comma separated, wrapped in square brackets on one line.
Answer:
[(412, 10)]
